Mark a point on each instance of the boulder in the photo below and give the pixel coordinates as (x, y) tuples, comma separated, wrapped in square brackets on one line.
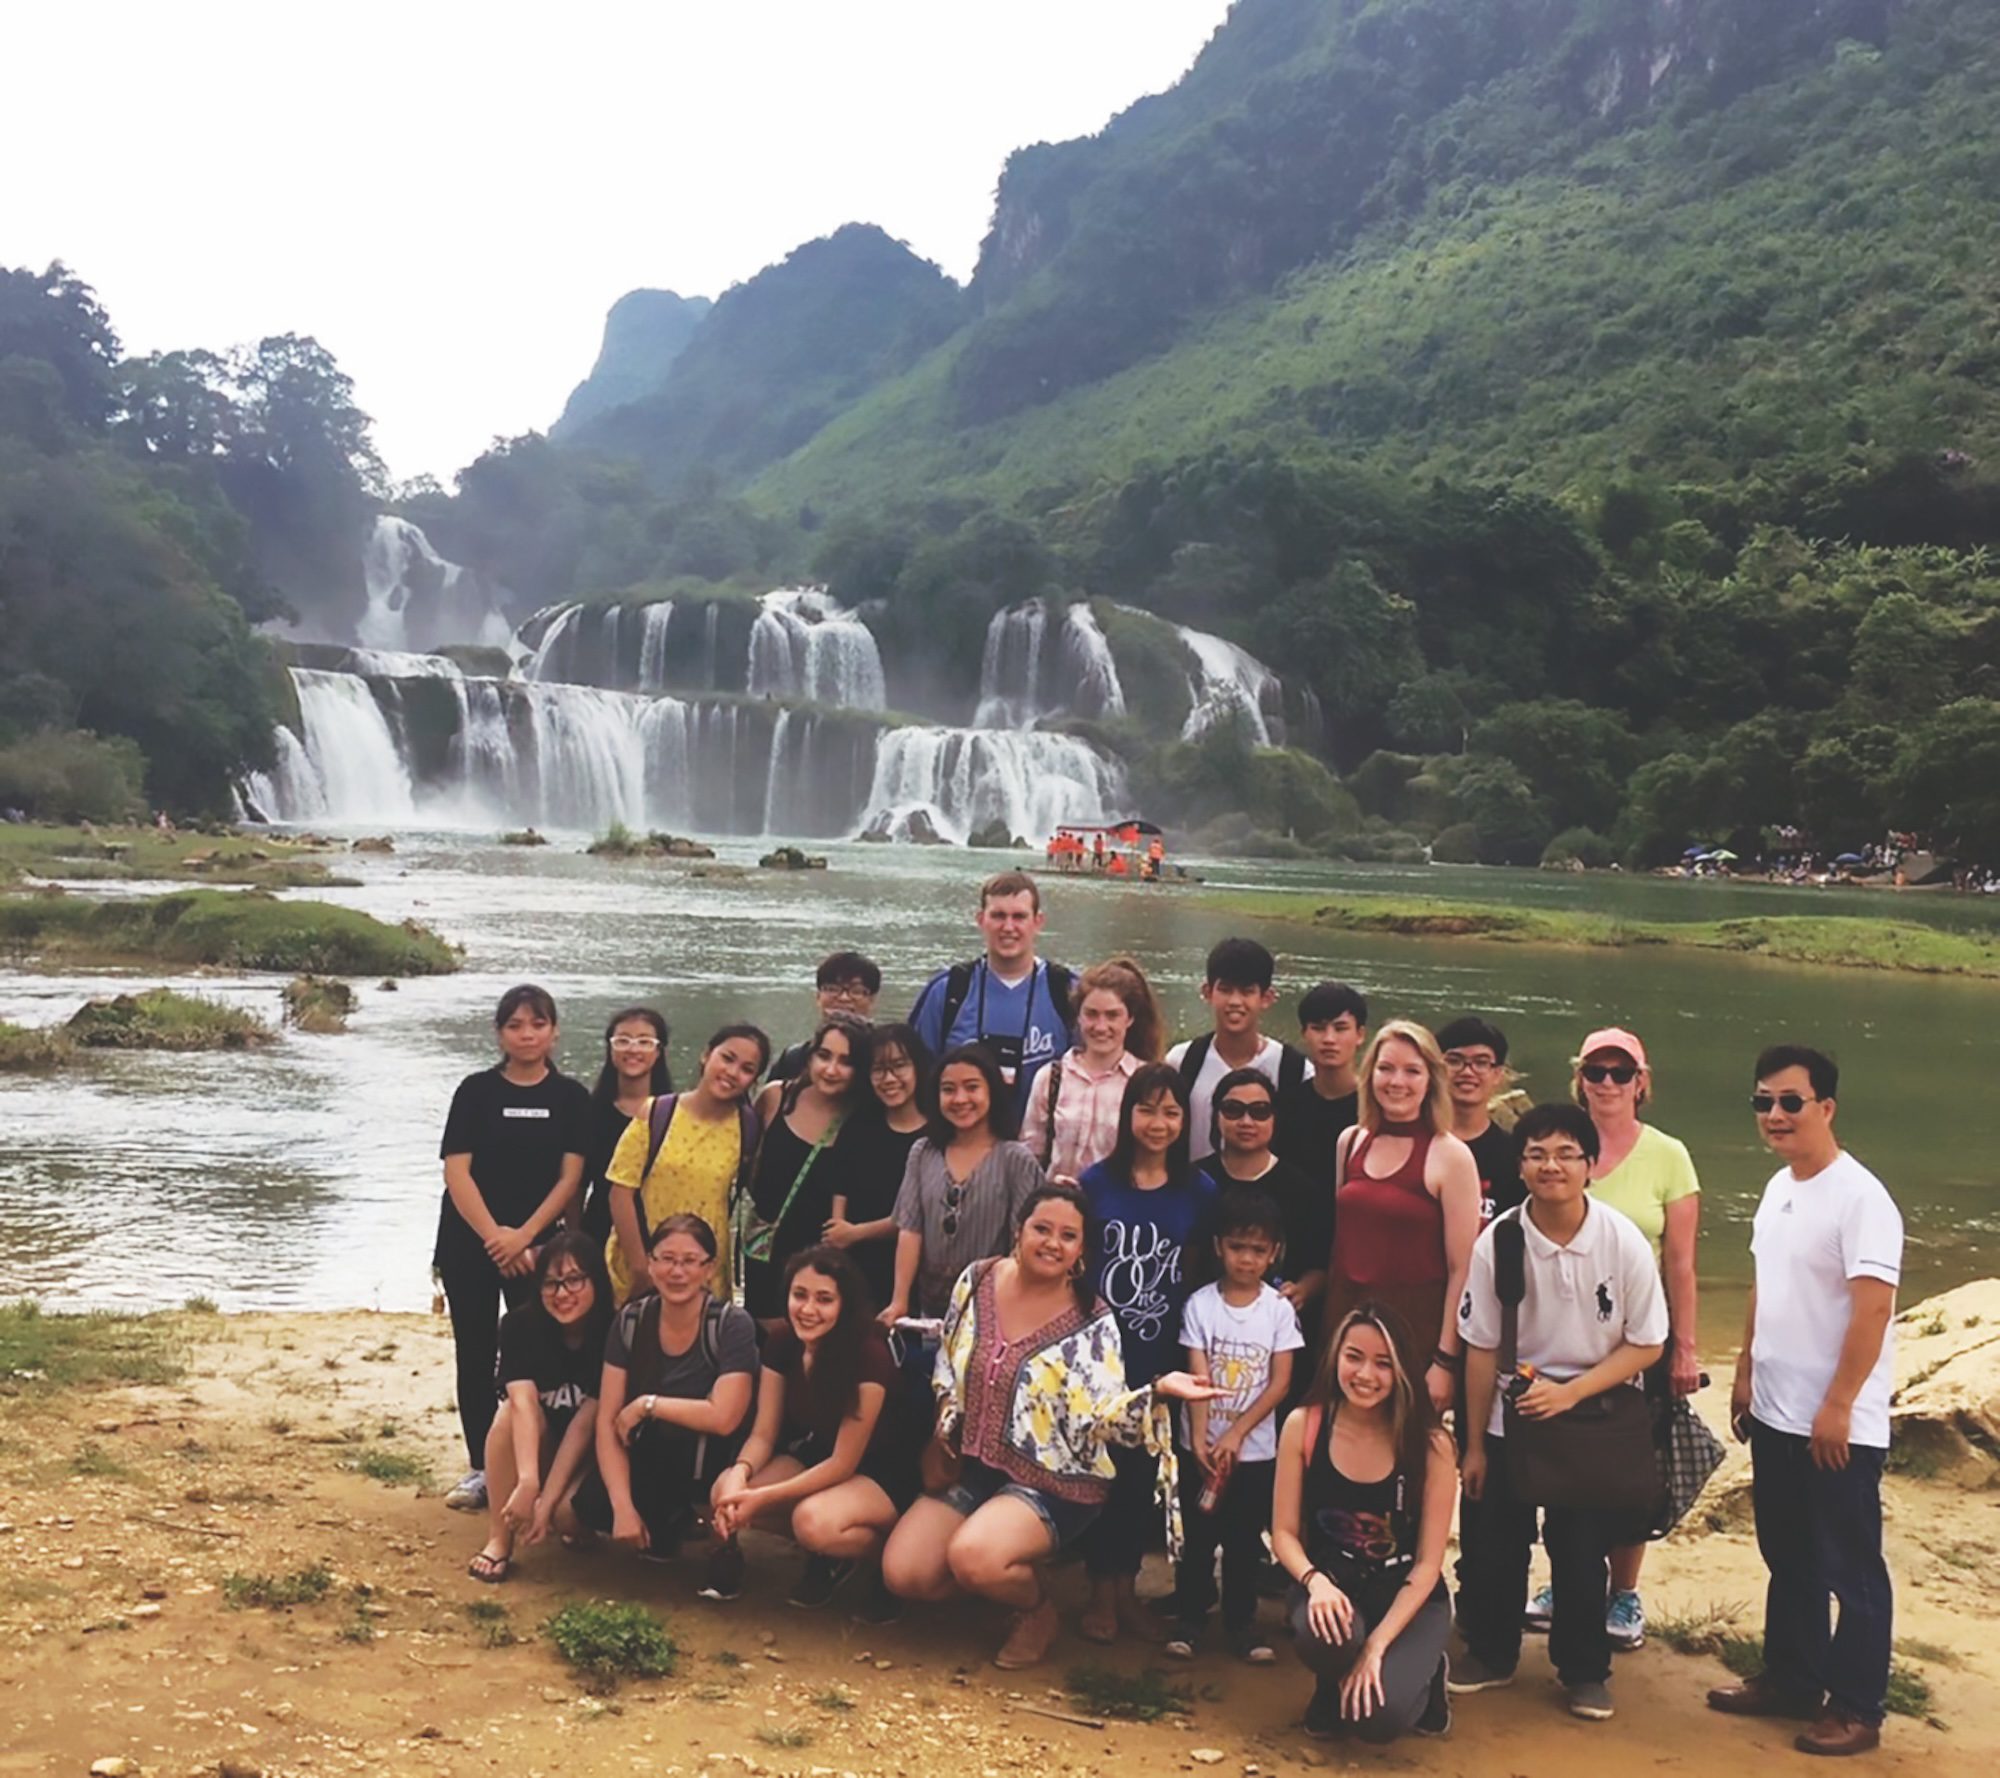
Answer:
[(1946, 1410), (790, 858), (375, 843)]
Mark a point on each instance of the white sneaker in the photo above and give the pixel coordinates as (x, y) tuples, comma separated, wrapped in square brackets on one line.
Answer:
[(1541, 1612), (469, 1496)]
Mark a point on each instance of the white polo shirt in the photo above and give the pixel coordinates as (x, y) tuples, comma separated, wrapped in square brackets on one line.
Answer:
[(1582, 1303), (1811, 1239)]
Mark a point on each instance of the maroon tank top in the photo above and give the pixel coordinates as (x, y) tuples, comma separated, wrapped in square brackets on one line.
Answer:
[(1388, 1231)]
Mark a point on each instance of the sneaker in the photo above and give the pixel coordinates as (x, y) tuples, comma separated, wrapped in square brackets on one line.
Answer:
[(1184, 1639), (722, 1578), (878, 1604), (1470, 1674), (1758, 1696), (1591, 1700), (1323, 1713), (469, 1496), (1625, 1622), (1250, 1644), (819, 1580), (1837, 1734), (1541, 1612), (1436, 1719)]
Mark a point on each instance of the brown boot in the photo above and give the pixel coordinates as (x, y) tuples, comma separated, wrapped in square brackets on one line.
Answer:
[(1757, 1696), (1028, 1641), (1837, 1734)]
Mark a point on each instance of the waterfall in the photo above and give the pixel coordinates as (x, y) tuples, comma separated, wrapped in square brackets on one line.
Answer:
[(415, 598), (709, 626), (292, 785), (653, 646), (805, 646), (1019, 684), (554, 656), (962, 779), (345, 760), (389, 663), (1229, 678)]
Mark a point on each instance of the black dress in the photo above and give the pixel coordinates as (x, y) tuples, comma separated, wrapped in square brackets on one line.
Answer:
[(866, 1168), (780, 1156)]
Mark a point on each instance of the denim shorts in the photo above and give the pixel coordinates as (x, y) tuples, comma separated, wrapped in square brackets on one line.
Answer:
[(1067, 1520)]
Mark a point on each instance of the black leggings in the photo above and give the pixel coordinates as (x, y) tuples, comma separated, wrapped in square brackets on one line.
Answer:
[(474, 1291)]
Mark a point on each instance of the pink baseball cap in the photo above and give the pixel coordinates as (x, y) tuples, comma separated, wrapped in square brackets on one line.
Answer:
[(1613, 1037)]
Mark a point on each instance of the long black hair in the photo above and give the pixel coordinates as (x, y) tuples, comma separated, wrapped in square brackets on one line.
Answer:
[(1236, 1077), (588, 1253), (1083, 1282), (906, 1042), (835, 1377), (999, 1096), (1149, 1082), (660, 1081)]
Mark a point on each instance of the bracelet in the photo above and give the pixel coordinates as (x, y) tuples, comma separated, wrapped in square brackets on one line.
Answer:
[(1451, 1361), (1306, 1579)]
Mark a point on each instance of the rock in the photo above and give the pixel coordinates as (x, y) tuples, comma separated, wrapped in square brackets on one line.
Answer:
[(387, 985), (115, 1766), (525, 836), (1206, 1756), (152, 1589), (235, 1766), (72, 1561), (990, 836), (1947, 1400), (790, 858), (144, 1611), (375, 843)]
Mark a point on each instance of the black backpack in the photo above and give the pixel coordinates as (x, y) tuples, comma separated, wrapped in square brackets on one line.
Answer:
[(958, 985), (1291, 1065)]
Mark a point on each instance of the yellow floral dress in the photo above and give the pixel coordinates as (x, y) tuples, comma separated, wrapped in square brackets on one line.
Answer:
[(693, 1174)]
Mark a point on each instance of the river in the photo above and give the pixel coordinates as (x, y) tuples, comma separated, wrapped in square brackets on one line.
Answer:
[(306, 1175)]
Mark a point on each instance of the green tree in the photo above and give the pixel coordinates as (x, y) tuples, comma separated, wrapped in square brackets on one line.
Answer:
[(1946, 779), (55, 317)]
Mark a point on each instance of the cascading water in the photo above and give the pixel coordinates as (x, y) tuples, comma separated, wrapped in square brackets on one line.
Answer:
[(1018, 681), (1227, 679), (805, 646), (417, 599), (554, 656), (961, 779), (653, 645), (345, 760)]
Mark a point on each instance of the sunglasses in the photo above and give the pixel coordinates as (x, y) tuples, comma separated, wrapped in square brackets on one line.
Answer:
[(1791, 1104), (1618, 1073), (1258, 1111), (954, 1195)]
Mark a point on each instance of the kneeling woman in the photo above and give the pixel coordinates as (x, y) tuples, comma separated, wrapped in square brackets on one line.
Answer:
[(551, 1357), (1031, 1389), (830, 1462), (679, 1370), (1360, 1513)]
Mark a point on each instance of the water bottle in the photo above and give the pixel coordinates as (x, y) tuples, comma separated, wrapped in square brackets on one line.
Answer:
[(1211, 1488)]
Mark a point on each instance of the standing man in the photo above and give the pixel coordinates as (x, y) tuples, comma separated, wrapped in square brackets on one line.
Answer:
[(1016, 1005), (1813, 1383), (1475, 1057)]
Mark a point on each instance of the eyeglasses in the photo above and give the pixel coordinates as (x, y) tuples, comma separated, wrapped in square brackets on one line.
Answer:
[(1258, 1111), (889, 1070), (848, 991), (1463, 1064), (1618, 1073), (635, 1043), (569, 1284), (682, 1262), (1791, 1104), (1563, 1157)]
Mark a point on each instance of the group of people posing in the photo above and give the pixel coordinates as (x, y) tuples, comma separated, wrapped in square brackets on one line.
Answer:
[(944, 1300)]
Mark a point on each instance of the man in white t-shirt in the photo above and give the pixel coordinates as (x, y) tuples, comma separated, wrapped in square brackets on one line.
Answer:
[(1237, 987), (1592, 1318), (1813, 1383)]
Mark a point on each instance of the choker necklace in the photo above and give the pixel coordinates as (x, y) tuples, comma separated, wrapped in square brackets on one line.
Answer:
[(1390, 1127)]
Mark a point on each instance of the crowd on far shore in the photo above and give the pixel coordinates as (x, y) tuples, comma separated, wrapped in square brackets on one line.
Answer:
[(943, 1299)]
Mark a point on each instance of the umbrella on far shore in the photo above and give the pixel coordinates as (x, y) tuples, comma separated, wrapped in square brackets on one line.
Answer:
[(1850, 858), (1694, 852), (1722, 857)]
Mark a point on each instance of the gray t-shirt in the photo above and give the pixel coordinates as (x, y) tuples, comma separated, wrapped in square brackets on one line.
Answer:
[(987, 1207), (634, 1347)]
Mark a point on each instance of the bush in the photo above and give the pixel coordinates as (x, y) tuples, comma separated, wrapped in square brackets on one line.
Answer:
[(1458, 844), (71, 775), (1589, 849), (26, 1050), (318, 1003), (606, 1642), (160, 1019)]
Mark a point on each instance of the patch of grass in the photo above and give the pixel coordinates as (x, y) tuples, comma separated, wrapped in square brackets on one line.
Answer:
[(833, 1698), (489, 1623), (606, 1642), (1694, 1632), (356, 1629), (1710, 1633), (1131, 1697), (394, 1469), (318, 1003), (1909, 1692), (1919, 1461), (1933, 1654), (24, 1050), (250, 929), (92, 1459), (274, 861), (42, 1351), (267, 1592), (728, 1657), (161, 1019), (199, 1305), (280, 1424), (790, 1735)]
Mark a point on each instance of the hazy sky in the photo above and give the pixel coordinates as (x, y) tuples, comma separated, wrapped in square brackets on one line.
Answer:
[(449, 196)]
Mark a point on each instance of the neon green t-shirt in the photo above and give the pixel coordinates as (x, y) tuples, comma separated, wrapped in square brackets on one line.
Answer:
[(1659, 1171)]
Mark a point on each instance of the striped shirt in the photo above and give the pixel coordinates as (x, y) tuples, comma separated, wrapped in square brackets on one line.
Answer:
[(1086, 1124)]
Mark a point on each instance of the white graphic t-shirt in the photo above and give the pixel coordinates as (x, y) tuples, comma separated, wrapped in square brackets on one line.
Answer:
[(1238, 1344)]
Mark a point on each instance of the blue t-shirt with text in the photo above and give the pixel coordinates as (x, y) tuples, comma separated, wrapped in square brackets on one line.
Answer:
[(1146, 1261), (1019, 1021)]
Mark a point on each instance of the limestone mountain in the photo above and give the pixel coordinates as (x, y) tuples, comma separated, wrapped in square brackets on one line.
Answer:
[(643, 335)]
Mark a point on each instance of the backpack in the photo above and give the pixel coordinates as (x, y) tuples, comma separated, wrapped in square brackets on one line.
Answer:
[(1291, 1065), (659, 1119), (635, 1314), (958, 985)]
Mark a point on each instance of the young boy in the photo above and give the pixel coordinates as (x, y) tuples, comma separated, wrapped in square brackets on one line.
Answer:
[(1333, 1027), (1475, 1062), (1239, 1334), (1237, 989), (846, 982)]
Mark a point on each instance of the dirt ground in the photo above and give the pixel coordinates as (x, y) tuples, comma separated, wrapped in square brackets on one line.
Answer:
[(123, 1510)]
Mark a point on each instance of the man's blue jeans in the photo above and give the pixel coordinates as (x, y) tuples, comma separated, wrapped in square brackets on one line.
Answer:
[(1820, 1532)]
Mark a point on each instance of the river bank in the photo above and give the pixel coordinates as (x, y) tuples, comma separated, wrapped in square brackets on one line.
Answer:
[(1829, 941), (157, 1468)]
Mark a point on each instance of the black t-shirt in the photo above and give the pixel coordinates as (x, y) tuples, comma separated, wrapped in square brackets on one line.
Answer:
[(1498, 1157), (517, 1137), (607, 1125), (866, 1167), (532, 1350), (1309, 1127)]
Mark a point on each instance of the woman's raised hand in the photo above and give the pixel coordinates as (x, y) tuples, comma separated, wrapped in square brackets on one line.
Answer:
[(1181, 1386)]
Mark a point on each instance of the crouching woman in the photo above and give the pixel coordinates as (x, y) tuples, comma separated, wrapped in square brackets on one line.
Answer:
[(1031, 1391), (1361, 1508)]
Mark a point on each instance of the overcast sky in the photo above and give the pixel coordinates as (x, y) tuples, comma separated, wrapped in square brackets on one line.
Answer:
[(449, 196)]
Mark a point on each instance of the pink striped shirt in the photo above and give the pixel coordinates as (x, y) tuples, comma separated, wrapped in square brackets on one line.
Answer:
[(1087, 1108)]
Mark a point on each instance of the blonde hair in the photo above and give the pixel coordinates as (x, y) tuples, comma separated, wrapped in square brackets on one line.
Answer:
[(1642, 1082), (1147, 1038), (1437, 1102)]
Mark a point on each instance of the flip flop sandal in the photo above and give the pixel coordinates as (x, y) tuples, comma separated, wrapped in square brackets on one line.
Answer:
[(490, 1570)]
